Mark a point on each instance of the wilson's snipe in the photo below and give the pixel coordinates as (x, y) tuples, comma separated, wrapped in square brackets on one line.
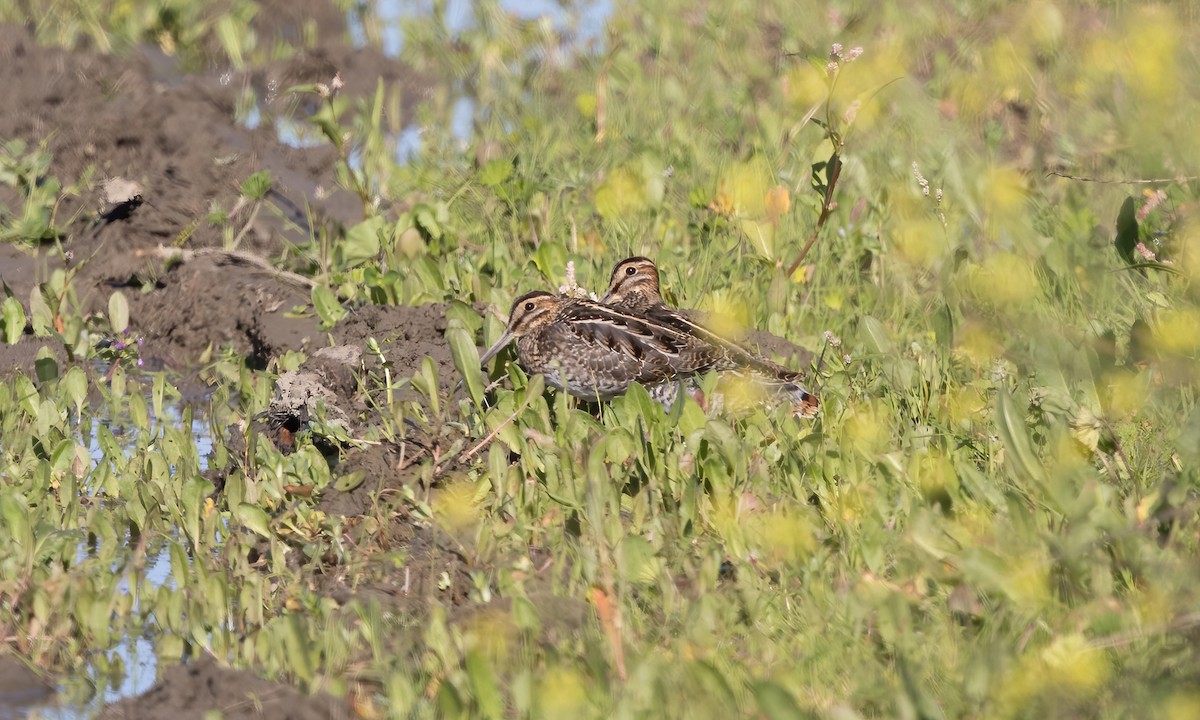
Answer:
[(593, 352), (634, 289)]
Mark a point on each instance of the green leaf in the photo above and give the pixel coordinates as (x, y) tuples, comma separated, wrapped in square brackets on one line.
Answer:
[(466, 358), (257, 185), (302, 89), (26, 395), (40, 314), (327, 306), (45, 366), (551, 261), (350, 481), (621, 195), (496, 172), (484, 686), (1127, 231), (156, 394), (1010, 425), (118, 312), (255, 518), (14, 320), (230, 32), (362, 242), (876, 337), (1188, 443), (425, 380), (776, 702), (75, 385), (194, 492), (714, 683), (761, 236)]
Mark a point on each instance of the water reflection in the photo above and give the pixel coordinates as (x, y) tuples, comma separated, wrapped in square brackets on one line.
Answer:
[(130, 667), (581, 25), (583, 20)]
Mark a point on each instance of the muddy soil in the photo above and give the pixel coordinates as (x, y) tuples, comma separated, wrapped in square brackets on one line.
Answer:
[(139, 118), (193, 691)]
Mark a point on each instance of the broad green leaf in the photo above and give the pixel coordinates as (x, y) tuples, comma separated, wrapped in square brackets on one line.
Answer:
[(551, 261), (26, 395), (327, 306), (362, 242), (877, 338), (229, 33), (1010, 425), (943, 326), (299, 647), (466, 359), (45, 366), (426, 381), (40, 315), (350, 481), (15, 513), (715, 685), (157, 392), (776, 702), (619, 196), (254, 518), (192, 499), (461, 312), (429, 219), (139, 414), (496, 172), (761, 236), (75, 385), (118, 313), (14, 320), (484, 686)]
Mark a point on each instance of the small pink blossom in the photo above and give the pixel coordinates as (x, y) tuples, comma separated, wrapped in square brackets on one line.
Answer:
[(1153, 200)]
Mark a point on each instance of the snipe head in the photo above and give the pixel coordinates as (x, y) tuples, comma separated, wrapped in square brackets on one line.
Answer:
[(633, 285), (531, 313)]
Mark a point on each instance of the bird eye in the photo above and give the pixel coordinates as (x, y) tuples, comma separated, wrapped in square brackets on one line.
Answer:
[(528, 306), (630, 271)]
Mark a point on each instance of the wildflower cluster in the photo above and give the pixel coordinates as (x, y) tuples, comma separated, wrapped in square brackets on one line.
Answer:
[(123, 348), (839, 56), (937, 193)]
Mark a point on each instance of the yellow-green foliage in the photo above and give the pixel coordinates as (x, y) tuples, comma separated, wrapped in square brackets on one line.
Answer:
[(994, 515)]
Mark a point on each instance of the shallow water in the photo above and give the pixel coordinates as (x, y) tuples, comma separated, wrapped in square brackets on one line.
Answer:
[(89, 690), (581, 24)]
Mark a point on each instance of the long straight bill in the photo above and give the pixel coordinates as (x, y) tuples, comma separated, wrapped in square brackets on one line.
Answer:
[(505, 339)]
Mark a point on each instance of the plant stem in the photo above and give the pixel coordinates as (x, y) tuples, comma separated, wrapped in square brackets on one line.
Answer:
[(835, 171)]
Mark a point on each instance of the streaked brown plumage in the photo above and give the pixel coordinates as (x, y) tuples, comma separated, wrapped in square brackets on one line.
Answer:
[(634, 289), (594, 352)]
